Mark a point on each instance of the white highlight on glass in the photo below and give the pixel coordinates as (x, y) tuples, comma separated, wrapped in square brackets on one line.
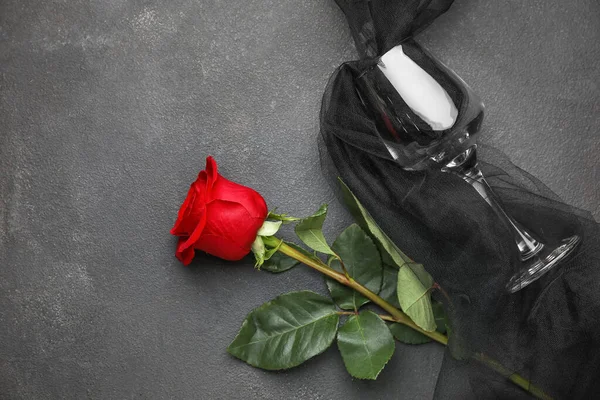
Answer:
[(420, 91)]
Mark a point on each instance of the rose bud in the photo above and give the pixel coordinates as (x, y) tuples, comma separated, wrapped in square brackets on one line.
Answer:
[(219, 217)]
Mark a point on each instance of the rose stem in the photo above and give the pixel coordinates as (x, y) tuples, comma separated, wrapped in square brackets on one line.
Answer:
[(396, 314)]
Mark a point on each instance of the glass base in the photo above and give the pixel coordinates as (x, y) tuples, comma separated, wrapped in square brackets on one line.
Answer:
[(545, 260)]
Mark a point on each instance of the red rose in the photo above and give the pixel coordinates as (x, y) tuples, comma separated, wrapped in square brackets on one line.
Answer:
[(219, 217)]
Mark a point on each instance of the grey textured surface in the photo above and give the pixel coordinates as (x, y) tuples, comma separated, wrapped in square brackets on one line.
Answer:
[(107, 110)]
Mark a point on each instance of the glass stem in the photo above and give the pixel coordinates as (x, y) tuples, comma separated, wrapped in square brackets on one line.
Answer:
[(466, 167)]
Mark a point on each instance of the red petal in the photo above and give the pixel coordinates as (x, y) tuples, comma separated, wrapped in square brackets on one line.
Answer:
[(212, 172), (178, 229), (229, 231), (224, 189), (184, 254), (188, 243), (221, 247)]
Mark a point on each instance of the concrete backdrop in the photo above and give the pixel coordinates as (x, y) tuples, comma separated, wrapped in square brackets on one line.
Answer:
[(107, 111)]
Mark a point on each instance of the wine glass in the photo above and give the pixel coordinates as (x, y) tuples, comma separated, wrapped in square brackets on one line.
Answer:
[(428, 117)]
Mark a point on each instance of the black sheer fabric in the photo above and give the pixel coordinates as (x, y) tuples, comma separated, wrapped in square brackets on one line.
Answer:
[(379, 25), (548, 332)]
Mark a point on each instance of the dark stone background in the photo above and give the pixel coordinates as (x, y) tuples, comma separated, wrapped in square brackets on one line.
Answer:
[(107, 111)]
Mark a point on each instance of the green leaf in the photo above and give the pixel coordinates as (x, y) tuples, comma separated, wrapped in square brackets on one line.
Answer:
[(309, 230), (418, 307), (366, 345), (408, 335), (286, 331), (441, 321), (269, 228), (271, 249), (262, 251), (270, 253), (282, 217), (344, 297), (259, 250), (279, 262), (389, 284), (390, 253), (362, 261), (414, 295)]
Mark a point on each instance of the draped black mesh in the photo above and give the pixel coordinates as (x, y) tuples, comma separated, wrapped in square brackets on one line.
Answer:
[(379, 25), (547, 332)]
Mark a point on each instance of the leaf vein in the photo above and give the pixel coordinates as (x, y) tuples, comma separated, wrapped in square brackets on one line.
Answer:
[(279, 335)]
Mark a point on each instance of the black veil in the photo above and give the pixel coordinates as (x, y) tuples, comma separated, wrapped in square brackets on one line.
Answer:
[(549, 333)]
